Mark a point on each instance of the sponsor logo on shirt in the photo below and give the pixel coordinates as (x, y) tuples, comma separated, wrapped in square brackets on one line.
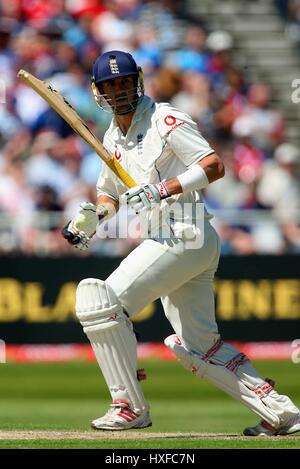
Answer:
[(175, 127), (171, 121)]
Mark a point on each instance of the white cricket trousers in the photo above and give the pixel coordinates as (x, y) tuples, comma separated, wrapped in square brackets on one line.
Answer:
[(182, 277)]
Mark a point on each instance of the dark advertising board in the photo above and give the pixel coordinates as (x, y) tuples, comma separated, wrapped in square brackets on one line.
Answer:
[(257, 299)]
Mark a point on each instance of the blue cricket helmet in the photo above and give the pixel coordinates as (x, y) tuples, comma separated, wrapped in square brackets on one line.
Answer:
[(113, 64)]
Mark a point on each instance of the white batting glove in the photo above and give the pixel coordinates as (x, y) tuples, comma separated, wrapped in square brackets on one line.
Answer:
[(145, 196), (82, 228)]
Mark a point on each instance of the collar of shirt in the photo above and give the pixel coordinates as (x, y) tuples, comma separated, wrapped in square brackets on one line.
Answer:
[(145, 103)]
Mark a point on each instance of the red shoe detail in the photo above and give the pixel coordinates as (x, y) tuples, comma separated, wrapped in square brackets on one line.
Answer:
[(127, 414)]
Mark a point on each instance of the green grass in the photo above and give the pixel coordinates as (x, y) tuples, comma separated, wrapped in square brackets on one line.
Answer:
[(145, 444), (68, 396)]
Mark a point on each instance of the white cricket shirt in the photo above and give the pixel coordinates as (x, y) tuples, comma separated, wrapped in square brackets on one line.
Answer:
[(161, 143)]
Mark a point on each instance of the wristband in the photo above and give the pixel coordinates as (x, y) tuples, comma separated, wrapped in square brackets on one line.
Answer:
[(162, 189), (194, 179)]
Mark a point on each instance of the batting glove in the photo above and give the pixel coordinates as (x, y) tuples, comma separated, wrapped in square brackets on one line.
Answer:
[(82, 228), (145, 196)]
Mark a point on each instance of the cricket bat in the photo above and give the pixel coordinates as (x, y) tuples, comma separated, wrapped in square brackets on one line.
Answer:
[(68, 113)]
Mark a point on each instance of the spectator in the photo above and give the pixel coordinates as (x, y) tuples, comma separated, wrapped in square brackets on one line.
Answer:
[(193, 56), (147, 52), (166, 84), (278, 187), (43, 168), (219, 44), (290, 12), (267, 125), (194, 97)]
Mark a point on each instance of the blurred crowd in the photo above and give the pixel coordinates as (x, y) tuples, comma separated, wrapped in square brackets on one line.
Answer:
[(45, 168), (290, 12)]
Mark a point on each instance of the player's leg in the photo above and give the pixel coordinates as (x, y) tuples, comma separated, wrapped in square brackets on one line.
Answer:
[(156, 268), (114, 344), (152, 269), (198, 347)]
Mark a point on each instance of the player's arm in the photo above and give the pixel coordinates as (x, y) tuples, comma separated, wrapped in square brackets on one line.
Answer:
[(203, 165), (198, 176), (108, 202), (82, 228)]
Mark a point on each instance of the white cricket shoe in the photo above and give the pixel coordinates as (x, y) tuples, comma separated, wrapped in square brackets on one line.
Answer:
[(265, 429), (120, 416)]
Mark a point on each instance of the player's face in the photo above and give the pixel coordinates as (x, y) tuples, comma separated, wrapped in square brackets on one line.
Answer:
[(120, 93)]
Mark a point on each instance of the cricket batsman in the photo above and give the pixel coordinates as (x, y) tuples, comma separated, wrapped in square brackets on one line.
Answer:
[(164, 152)]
